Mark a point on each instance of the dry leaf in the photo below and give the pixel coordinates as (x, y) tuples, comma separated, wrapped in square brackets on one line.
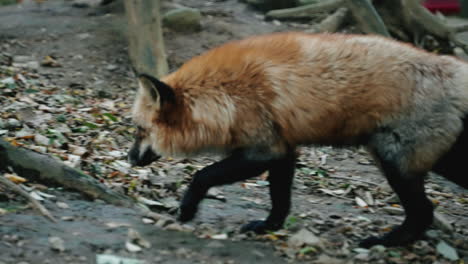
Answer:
[(15, 178)]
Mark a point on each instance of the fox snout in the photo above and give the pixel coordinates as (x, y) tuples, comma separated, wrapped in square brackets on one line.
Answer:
[(138, 156)]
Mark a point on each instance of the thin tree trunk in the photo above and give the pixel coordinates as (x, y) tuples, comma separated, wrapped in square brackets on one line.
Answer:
[(146, 44)]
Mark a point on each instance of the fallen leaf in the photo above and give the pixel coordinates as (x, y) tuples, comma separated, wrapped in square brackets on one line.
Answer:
[(360, 202), (14, 178), (220, 236), (36, 196), (132, 247), (447, 251), (113, 225), (111, 259), (134, 236), (62, 205), (50, 62), (147, 220), (304, 237)]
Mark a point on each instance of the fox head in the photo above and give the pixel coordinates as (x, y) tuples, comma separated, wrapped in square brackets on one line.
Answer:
[(152, 99)]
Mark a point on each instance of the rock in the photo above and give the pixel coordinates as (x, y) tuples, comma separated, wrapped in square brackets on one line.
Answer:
[(56, 243), (183, 19), (304, 237), (2, 124)]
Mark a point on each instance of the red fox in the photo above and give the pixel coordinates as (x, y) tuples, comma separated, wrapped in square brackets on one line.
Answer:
[(255, 100)]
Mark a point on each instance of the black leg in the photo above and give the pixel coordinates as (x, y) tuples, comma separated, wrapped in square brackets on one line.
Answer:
[(280, 177), (232, 169), (418, 209)]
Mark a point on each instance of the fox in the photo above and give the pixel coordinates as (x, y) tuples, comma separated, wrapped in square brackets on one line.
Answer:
[(256, 100)]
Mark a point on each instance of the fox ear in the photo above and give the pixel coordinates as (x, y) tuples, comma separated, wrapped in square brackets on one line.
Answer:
[(158, 90)]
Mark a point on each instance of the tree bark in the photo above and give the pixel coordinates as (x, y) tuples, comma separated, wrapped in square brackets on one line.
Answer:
[(146, 44), (41, 167)]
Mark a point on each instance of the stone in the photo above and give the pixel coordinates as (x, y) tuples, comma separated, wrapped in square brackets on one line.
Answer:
[(183, 19)]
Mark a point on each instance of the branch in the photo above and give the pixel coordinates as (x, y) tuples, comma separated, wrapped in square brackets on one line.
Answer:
[(41, 167), (367, 17), (305, 11), (35, 204)]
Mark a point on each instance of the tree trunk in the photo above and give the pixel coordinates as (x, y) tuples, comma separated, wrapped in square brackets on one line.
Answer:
[(146, 44)]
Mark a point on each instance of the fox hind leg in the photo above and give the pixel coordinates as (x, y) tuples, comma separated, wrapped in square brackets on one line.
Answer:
[(409, 186), (452, 165)]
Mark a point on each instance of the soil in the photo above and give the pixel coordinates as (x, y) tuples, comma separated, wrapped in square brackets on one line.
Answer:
[(91, 46)]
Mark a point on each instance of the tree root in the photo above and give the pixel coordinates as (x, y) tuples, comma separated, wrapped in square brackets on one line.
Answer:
[(305, 11), (406, 20), (35, 204), (367, 17), (332, 23)]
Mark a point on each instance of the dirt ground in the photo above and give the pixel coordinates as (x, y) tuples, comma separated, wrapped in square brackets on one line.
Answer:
[(329, 187)]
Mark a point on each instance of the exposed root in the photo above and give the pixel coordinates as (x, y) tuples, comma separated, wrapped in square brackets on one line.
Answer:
[(332, 23), (305, 11)]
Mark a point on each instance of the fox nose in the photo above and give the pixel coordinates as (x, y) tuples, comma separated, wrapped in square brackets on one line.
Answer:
[(136, 159)]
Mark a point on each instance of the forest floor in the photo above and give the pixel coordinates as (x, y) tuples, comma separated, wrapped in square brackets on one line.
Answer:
[(66, 88)]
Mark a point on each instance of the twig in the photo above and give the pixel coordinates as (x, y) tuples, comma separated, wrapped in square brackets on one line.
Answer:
[(35, 204), (352, 179)]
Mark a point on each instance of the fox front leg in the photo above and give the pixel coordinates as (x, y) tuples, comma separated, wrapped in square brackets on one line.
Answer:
[(280, 177), (232, 169), (237, 168)]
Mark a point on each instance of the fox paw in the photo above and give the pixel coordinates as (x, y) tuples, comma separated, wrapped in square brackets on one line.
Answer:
[(186, 213), (260, 226), (397, 237)]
